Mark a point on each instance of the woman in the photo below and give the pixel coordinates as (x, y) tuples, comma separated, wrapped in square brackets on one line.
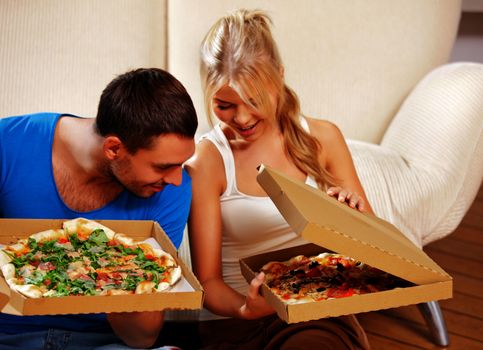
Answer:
[(231, 216)]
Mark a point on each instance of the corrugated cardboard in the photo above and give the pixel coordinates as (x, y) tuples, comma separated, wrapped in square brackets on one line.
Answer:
[(334, 226), (13, 229)]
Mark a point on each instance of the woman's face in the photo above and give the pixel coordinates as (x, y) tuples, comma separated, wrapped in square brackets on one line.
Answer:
[(247, 122)]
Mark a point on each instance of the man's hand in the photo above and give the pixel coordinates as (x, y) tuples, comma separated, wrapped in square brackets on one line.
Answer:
[(3, 300), (137, 329)]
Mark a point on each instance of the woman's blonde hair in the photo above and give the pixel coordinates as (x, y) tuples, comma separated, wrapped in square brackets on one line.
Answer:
[(239, 51)]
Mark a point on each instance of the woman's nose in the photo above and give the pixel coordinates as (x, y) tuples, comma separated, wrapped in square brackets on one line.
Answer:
[(242, 115)]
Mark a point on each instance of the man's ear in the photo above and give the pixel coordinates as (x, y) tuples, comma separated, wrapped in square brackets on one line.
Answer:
[(113, 147)]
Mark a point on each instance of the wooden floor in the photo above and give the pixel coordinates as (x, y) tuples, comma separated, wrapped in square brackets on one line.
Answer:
[(461, 255)]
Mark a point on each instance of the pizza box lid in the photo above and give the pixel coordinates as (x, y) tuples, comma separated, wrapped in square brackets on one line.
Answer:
[(322, 220)]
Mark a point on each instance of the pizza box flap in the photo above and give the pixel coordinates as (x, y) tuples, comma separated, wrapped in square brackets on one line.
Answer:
[(321, 219)]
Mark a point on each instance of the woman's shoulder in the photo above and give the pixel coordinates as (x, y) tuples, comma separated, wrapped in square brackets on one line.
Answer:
[(325, 131), (206, 165), (206, 155)]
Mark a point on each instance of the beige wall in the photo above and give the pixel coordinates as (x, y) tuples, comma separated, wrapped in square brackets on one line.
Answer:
[(58, 55), (352, 62)]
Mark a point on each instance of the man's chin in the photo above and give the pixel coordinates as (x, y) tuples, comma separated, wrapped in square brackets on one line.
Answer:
[(144, 192)]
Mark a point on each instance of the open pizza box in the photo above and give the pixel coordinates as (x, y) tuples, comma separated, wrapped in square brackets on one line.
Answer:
[(332, 226), (186, 294)]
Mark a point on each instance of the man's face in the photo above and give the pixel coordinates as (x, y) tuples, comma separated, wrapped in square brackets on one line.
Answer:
[(148, 171)]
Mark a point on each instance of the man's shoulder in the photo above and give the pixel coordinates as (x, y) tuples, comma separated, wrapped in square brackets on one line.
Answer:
[(28, 120)]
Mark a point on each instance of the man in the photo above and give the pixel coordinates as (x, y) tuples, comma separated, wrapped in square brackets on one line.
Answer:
[(125, 165)]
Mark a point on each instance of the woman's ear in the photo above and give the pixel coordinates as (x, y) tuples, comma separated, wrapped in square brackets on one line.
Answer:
[(113, 147)]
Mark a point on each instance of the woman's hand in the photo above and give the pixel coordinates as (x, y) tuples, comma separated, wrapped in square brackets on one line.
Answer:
[(255, 305), (353, 199)]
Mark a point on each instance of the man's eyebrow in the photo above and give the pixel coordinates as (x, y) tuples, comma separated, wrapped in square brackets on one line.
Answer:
[(166, 165)]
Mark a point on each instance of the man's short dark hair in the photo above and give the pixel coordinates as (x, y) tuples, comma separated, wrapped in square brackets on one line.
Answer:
[(141, 104)]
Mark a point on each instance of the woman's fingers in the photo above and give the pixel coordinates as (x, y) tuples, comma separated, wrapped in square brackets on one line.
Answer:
[(253, 291), (353, 199)]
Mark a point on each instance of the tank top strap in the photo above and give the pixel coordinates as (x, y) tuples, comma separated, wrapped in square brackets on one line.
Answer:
[(304, 124), (218, 138)]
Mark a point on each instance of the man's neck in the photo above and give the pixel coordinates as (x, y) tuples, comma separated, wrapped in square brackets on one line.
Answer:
[(80, 170), (79, 147)]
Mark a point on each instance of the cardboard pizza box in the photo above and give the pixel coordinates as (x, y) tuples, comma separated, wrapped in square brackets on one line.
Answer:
[(186, 294), (332, 226)]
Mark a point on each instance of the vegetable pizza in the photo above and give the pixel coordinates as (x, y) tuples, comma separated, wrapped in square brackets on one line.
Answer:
[(86, 258)]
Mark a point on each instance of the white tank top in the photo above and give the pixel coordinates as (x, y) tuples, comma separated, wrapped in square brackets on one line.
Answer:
[(250, 225)]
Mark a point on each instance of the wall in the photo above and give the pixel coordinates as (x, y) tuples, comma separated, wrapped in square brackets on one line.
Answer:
[(59, 55), (352, 62)]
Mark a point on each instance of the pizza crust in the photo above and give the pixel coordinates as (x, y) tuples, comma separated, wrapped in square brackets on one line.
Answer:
[(48, 235), (29, 290), (86, 226), (4, 258), (8, 271), (121, 238)]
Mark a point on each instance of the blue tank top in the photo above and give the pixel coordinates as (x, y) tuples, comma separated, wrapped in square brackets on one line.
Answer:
[(28, 190)]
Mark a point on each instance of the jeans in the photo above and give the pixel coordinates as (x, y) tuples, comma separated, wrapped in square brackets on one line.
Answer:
[(55, 339)]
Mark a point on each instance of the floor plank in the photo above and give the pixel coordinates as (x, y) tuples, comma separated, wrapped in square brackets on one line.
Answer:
[(467, 285), (464, 304), (382, 343), (451, 263), (468, 234), (458, 323), (458, 248)]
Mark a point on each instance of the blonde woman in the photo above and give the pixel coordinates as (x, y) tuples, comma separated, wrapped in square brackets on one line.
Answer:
[(259, 121)]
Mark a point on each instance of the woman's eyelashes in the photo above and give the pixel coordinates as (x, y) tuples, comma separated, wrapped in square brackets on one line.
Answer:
[(224, 106)]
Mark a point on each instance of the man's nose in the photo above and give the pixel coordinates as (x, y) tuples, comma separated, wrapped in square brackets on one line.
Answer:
[(174, 176)]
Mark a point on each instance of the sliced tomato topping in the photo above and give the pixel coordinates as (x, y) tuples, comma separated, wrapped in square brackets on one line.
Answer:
[(340, 293), (286, 296), (63, 240), (116, 275), (112, 243), (102, 276)]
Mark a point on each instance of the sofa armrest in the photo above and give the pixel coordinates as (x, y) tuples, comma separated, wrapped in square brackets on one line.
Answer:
[(429, 166)]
